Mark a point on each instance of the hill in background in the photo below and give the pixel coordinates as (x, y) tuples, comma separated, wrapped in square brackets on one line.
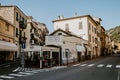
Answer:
[(114, 34)]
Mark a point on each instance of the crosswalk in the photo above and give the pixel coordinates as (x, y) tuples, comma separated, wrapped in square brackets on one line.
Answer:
[(19, 72), (98, 65), (22, 69)]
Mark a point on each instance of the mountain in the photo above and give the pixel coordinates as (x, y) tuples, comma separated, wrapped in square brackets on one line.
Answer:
[(114, 34)]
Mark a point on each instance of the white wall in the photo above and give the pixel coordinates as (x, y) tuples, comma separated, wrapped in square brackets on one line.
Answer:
[(74, 26)]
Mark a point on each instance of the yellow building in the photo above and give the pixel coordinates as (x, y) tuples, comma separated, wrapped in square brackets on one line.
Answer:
[(15, 15), (7, 47)]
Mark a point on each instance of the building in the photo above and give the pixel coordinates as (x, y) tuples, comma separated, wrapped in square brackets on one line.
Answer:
[(72, 47), (108, 45), (36, 33), (8, 48), (16, 17), (102, 38), (85, 26)]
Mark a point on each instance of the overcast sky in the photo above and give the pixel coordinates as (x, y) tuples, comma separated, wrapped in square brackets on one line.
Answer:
[(48, 10)]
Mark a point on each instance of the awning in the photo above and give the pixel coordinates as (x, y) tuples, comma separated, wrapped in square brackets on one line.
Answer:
[(80, 48), (88, 48), (7, 46), (33, 48)]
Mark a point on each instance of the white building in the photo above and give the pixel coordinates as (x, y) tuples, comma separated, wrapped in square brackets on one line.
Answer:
[(83, 26), (71, 46)]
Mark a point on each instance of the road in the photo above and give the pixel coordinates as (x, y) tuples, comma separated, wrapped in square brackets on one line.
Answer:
[(107, 68)]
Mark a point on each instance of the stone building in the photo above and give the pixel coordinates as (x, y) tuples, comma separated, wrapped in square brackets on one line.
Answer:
[(8, 48), (16, 17)]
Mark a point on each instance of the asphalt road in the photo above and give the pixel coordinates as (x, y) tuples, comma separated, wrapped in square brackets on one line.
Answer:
[(107, 68)]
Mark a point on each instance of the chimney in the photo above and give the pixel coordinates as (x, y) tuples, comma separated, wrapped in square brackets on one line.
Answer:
[(60, 17), (75, 15)]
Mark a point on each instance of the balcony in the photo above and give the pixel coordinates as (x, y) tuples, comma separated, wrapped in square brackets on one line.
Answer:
[(22, 25)]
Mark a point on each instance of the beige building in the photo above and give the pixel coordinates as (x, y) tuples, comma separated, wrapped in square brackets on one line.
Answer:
[(103, 43), (16, 17), (8, 47), (86, 27), (108, 45), (72, 47)]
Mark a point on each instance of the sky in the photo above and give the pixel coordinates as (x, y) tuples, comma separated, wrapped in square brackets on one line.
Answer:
[(46, 11)]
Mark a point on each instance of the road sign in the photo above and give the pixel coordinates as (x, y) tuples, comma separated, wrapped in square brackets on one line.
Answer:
[(23, 45)]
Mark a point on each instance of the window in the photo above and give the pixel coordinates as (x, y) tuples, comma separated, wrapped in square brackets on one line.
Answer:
[(7, 27), (80, 25), (67, 27), (95, 31), (24, 34), (89, 26), (90, 38), (93, 39), (59, 33), (17, 16), (96, 40), (17, 32)]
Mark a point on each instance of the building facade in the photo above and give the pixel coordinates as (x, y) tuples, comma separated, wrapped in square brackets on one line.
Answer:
[(16, 17), (35, 33), (71, 46), (8, 48), (85, 27)]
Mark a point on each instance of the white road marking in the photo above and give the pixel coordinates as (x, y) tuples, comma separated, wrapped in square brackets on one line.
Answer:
[(117, 66), (20, 69), (18, 75), (83, 65), (6, 77), (100, 65), (90, 65), (16, 69), (76, 65), (1, 79), (109, 66), (32, 71), (25, 73)]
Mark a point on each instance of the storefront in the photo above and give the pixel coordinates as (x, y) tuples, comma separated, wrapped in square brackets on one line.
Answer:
[(41, 56), (80, 53), (7, 51)]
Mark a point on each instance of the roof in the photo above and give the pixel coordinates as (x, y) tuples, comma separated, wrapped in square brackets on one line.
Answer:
[(66, 32), (75, 18), (14, 7)]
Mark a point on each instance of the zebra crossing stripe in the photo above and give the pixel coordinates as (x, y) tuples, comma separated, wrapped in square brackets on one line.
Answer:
[(16, 69), (83, 65), (100, 65), (90, 65), (109, 66), (76, 65), (17, 75), (6, 77), (32, 71), (25, 73), (117, 66)]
